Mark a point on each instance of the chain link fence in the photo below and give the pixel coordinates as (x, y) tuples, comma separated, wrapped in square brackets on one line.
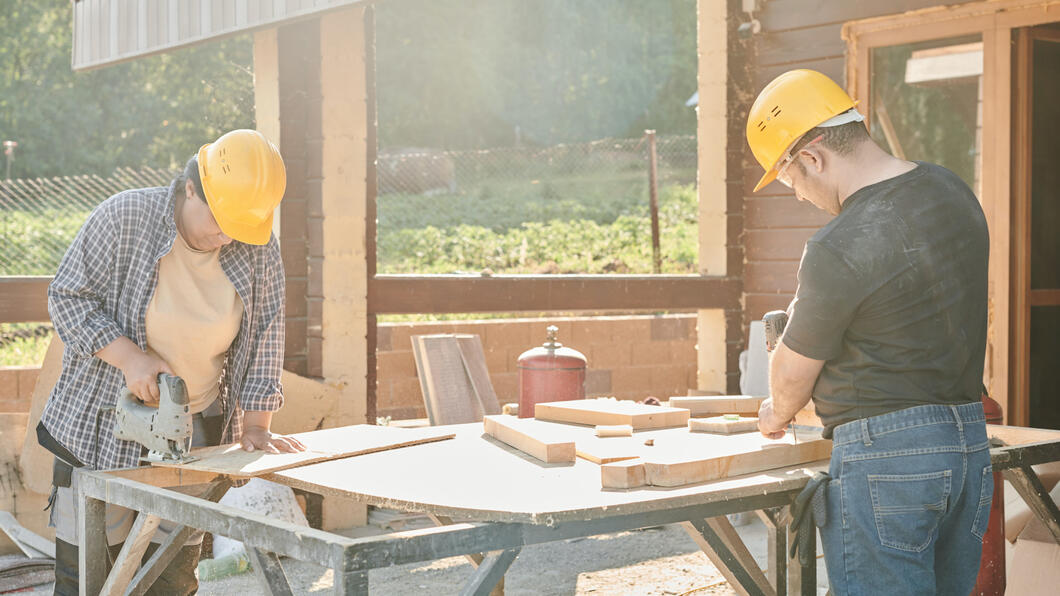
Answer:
[(438, 172), (39, 217), (493, 188)]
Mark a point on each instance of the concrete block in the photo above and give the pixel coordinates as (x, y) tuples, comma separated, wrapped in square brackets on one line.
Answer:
[(632, 379), (615, 354), (506, 386), (590, 332), (597, 383), (510, 334)]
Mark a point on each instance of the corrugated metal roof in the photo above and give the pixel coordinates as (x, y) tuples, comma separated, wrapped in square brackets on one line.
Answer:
[(110, 31)]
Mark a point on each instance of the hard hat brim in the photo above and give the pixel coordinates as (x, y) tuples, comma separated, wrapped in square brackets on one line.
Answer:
[(767, 178), (257, 234)]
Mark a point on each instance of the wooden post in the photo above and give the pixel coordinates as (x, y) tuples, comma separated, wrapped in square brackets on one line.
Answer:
[(653, 193)]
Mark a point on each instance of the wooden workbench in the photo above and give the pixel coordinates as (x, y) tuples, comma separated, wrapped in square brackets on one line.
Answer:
[(506, 499)]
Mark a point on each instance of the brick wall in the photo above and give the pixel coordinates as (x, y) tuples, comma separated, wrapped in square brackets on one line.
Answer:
[(629, 357), (16, 387)]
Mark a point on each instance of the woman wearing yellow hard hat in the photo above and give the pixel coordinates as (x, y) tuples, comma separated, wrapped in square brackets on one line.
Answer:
[(887, 336), (185, 280)]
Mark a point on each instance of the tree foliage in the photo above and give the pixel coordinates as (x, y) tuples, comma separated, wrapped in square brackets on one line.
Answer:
[(484, 73), (450, 74), (155, 111)]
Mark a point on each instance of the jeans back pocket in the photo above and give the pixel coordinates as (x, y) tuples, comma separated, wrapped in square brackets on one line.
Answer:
[(986, 498), (908, 507)]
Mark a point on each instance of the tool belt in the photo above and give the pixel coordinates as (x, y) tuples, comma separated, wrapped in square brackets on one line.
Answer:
[(809, 509)]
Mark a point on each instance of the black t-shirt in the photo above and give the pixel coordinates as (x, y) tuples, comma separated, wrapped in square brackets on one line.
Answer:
[(892, 295)]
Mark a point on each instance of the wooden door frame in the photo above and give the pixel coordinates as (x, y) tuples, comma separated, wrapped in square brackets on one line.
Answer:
[(1022, 296), (995, 21)]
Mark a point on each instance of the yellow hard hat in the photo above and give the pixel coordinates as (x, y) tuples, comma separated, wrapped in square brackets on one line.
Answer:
[(243, 179), (788, 108)]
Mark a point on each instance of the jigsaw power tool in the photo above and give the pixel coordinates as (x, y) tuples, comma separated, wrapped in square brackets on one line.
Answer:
[(166, 430)]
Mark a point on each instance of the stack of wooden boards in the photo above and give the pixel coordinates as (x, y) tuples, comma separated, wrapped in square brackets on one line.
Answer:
[(660, 451)]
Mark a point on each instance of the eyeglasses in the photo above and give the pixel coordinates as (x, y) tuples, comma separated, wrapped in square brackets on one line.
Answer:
[(782, 171)]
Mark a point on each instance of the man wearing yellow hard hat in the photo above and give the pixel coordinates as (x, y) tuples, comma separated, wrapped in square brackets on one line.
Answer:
[(185, 280), (887, 335)]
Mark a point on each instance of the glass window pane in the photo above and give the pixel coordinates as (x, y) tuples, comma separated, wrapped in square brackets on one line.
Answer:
[(926, 103)]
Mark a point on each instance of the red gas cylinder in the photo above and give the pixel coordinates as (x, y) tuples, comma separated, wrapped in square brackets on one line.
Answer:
[(550, 373), (991, 579)]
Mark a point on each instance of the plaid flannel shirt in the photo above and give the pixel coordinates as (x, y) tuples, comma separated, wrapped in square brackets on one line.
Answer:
[(101, 292)]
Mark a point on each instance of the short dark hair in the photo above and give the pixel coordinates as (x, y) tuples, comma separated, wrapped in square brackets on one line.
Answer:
[(191, 172), (842, 139)]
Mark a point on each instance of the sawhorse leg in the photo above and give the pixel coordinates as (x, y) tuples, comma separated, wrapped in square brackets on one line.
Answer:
[(270, 573), (1029, 486), (723, 546), (94, 555), (476, 560), (775, 521)]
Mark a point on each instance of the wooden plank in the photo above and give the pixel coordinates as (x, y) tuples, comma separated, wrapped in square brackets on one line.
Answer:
[(758, 305), (623, 474), (723, 424), (478, 374), (322, 445), (717, 404), (544, 444), (611, 412), (36, 461), (773, 212), (776, 245), (679, 470), (451, 394), (397, 294), (24, 299), (799, 45), (771, 277)]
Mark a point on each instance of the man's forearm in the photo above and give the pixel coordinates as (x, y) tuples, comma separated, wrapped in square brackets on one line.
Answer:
[(792, 377), (119, 353), (260, 419)]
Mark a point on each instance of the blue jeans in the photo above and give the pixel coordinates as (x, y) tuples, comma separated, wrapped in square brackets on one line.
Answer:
[(909, 502)]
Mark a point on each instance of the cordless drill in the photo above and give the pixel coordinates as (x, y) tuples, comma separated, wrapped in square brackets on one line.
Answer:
[(774, 322)]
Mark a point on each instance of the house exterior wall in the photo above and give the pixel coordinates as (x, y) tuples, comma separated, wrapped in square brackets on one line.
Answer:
[(794, 34)]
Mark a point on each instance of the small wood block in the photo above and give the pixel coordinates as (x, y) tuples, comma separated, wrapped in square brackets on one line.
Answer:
[(720, 424), (617, 430), (717, 404), (611, 412), (545, 444), (511, 409), (681, 470), (624, 474)]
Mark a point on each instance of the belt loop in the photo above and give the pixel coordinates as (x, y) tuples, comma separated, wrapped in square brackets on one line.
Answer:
[(865, 438), (957, 418)]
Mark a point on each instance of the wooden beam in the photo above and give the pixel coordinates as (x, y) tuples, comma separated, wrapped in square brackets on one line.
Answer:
[(24, 299), (432, 294)]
